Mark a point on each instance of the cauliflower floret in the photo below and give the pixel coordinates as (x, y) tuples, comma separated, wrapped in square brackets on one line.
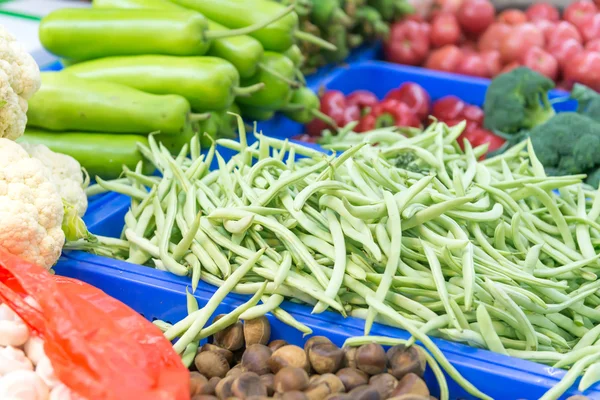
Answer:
[(22, 70), (13, 116), (31, 208), (66, 172), (19, 80)]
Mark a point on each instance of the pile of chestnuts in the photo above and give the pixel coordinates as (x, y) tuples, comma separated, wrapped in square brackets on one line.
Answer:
[(243, 363)]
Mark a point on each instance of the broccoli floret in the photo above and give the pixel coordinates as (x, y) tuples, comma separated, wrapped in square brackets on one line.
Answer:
[(593, 178), (517, 100), (588, 99), (568, 143)]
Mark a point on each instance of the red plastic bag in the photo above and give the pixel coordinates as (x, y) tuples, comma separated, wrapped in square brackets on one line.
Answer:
[(100, 348)]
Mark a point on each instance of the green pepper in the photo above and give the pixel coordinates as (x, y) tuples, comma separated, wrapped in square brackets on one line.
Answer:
[(372, 23), (277, 36), (325, 13), (66, 102), (391, 10), (101, 154), (207, 129), (208, 83), (295, 54), (83, 34), (162, 4), (304, 106), (277, 91), (337, 34), (243, 51), (255, 113)]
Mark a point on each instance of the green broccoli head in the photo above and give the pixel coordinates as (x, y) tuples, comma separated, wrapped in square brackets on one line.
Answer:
[(588, 99), (568, 143), (593, 178), (517, 100)]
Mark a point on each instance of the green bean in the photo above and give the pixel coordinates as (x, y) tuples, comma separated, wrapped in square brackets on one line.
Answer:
[(429, 345), (393, 259), (500, 296), (215, 300), (269, 304), (570, 377), (339, 267)]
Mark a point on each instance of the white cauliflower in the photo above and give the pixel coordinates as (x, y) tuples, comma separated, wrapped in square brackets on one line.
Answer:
[(31, 208), (19, 80), (66, 172)]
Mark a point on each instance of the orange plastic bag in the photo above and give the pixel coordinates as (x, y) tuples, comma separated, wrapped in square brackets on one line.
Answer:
[(100, 348)]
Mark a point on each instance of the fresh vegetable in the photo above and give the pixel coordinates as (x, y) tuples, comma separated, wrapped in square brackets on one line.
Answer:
[(243, 51), (475, 16), (66, 102), (31, 207), (542, 11), (66, 173), (519, 41), (466, 233), (414, 96), (208, 83), (325, 13), (567, 144), (390, 112), (517, 100), (584, 68), (256, 113), (19, 80), (363, 99), (541, 62), (101, 154), (578, 12), (82, 34), (445, 30), (588, 101), (464, 36), (408, 43), (335, 105), (277, 92), (304, 107), (276, 36)]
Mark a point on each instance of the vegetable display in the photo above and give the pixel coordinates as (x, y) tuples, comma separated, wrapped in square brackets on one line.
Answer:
[(483, 253), (469, 37)]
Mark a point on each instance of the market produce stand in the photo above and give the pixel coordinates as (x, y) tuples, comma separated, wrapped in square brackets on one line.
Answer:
[(307, 221)]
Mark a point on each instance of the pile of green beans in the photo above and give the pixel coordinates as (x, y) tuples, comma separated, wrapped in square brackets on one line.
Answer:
[(413, 233)]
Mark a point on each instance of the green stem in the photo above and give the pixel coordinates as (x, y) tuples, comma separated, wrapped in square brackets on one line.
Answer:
[(323, 117), (248, 90), (278, 75), (211, 35), (317, 41), (199, 117)]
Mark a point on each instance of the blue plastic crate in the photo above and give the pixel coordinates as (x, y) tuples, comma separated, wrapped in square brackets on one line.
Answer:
[(161, 295), (158, 295)]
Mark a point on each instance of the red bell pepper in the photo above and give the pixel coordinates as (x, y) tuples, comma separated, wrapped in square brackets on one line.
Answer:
[(414, 96), (334, 104), (364, 99), (389, 112)]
